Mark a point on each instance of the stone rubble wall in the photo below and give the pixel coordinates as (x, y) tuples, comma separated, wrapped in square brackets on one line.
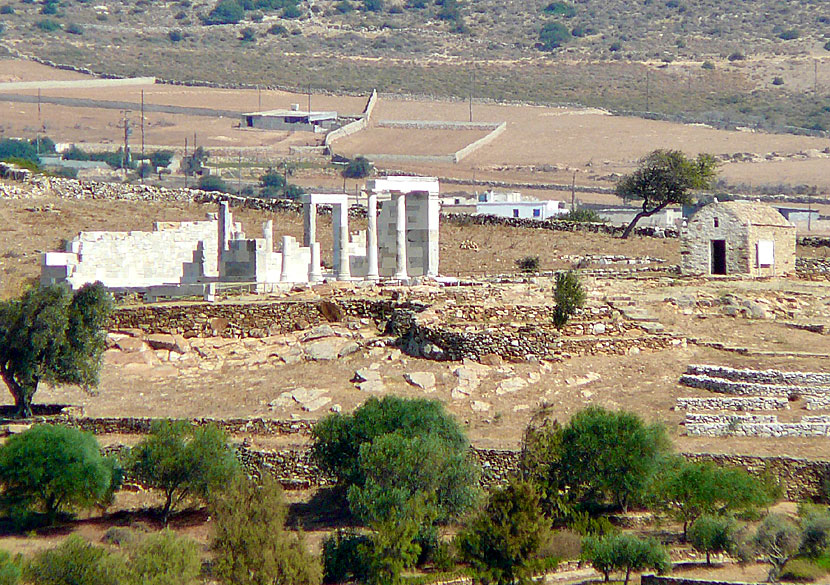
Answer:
[(818, 402), (761, 376), (801, 478), (724, 386), (738, 404), (813, 268), (755, 425), (666, 580), (555, 225), (240, 320), (522, 343)]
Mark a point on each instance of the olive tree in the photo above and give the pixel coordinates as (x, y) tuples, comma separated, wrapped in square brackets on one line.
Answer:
[(712, 534), (666, 177), (777, 540), (609, 456), (183, 461), (689, 489), (624, 552), (52, 468), (52, 335)]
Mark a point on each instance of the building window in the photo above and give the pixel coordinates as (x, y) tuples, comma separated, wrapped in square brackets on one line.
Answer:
[(716, 222), (537, 213), (765, 253), (515, 213)]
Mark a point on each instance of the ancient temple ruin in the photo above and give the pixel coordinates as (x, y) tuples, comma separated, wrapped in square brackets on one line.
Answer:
[(176, 258)]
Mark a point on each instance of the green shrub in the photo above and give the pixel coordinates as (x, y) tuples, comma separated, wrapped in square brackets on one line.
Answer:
[(615, 46), (66, 172), (175, 36), (553, 35), (708, 65), (23, 163), (358, 168), (568, 296), (291, 11), (74, 29), (18, 149), (582, 216), (346, 557), (76, 562), (528, 264), (50, 468), (789, 34), (250, 542), (392, 452), (277, 29), (561, 9), (164, 558), (815, 536), (10, 568), (373, 5), (248, 35), (827, 46), (49, 9), (226, 12), (802, 570), (736, 56), (47, 25), (778, 80), (500, 543), (212, 183), (625, 552), (6, 9), (344, 7)]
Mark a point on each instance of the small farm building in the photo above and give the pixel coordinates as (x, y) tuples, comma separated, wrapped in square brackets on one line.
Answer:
[(738, 237)]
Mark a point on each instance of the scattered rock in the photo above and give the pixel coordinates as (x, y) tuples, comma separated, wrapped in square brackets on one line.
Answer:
[(330, 348), (318, 332), (422, 380), (290, 354), (510, 385), (480, 406), (131, 345)]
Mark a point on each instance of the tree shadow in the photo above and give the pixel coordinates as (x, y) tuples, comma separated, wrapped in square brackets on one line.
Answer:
[(326, 509)]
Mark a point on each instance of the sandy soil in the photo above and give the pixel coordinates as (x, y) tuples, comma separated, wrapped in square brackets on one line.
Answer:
[(567, 143), (400, 141)]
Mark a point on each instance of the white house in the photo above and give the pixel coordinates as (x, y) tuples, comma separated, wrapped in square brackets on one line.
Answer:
[(522, 209)]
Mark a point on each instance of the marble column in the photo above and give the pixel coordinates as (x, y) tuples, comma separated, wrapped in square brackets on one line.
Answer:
[(400, 236), (340, 220), (372, 237), (268, 234), (309, 224), (284, 274), (315, 273)]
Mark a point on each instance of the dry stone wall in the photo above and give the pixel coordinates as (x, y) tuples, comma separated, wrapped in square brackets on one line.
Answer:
[(801, 478), (737, 403), (240, 320), (725, 386), (664, 580), (761, 376), (755, 425)]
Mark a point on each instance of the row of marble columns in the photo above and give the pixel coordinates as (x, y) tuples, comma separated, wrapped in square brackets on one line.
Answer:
[(340, 228)]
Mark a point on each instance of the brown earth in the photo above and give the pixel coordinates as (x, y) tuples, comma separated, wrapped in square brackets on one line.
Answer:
[(541, 144)]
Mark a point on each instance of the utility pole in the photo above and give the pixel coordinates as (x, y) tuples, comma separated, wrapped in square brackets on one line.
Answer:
[(125, 123), (141, 174), (472, 90), (184, 161), (239, 178), (573, 193)]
